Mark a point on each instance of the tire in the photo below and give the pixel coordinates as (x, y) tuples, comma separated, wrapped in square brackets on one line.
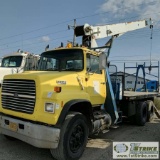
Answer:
[(150, 111), (141, 113), (73, 138)]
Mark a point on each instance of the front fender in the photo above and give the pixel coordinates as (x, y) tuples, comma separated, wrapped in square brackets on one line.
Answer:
[(68, 106)]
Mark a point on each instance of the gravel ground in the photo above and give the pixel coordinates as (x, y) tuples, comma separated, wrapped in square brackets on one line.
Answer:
[(98, 148)]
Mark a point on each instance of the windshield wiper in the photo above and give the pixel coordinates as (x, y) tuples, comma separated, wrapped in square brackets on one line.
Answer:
[(71, 69), (51, 69)]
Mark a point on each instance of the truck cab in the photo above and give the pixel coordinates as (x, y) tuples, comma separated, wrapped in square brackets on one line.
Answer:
[(68, 83), (82, 65), (17, 62), (63, 75)]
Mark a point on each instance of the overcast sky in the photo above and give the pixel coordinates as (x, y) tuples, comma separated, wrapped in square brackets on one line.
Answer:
[(32, 24)]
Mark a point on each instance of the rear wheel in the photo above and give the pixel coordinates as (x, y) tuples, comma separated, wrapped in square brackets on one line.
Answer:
[(73, 138), (141, 113)]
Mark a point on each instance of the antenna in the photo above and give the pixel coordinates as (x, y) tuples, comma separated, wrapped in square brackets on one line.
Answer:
[(151, 27)]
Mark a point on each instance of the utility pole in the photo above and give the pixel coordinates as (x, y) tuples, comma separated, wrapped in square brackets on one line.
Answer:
[(74, 36), (73, 27)]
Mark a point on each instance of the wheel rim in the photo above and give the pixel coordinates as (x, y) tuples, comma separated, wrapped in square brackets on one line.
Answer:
[(77, 138)]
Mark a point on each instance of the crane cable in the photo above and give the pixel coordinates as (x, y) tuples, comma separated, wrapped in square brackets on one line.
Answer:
[(151, 37)]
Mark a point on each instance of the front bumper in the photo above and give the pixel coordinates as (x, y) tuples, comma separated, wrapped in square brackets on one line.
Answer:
[(35, 134)]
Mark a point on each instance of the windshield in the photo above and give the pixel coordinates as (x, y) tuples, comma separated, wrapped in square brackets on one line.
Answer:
[(12, 61), (62, 60)]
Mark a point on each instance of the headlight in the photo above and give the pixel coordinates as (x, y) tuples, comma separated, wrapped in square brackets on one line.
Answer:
[(49, 107)]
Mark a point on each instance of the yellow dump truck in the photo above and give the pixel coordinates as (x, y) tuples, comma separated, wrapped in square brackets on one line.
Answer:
[(68, 98)]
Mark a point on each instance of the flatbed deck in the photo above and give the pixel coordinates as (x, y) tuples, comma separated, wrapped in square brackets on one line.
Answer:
[(139, 95)]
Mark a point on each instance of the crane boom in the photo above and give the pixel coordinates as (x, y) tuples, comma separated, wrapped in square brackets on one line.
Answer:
[(102, 31)]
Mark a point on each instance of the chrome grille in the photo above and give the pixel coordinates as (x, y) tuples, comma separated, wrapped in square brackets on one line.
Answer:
[(19, 95)]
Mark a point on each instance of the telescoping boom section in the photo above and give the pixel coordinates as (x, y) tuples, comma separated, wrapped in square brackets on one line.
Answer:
[(109, 30)]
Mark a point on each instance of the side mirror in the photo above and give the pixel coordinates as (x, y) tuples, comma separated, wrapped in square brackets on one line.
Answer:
[(102, 61)]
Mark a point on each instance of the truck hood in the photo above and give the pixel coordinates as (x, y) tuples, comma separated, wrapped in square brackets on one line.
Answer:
[(45, 83), (46, 80)]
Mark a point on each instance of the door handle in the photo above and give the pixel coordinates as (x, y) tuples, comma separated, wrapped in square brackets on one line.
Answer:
[(103, 82)]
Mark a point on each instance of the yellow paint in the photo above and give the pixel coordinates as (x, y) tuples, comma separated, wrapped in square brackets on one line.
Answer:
[(73, 89)]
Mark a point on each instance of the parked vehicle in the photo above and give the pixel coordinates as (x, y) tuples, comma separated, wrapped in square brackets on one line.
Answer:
[(17, 63), (151, 86)]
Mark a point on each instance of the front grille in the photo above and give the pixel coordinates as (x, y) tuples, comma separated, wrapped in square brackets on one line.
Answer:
[(19, 95)]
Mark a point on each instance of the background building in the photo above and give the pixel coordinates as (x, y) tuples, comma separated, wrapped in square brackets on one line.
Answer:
[(129, 80)]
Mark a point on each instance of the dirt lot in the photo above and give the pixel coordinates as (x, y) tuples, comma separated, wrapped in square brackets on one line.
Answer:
[(98, 148)]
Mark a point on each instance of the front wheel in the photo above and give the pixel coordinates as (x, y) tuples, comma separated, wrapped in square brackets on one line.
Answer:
[(73, 138)]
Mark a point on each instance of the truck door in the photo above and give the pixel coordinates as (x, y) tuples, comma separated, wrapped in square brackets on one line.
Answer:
[(96, 83)]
